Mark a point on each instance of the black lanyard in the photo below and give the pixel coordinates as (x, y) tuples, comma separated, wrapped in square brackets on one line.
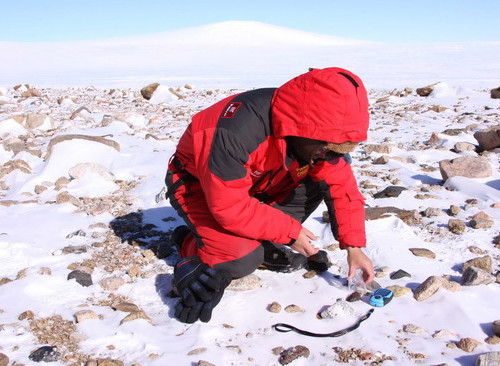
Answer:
[(281, 327)]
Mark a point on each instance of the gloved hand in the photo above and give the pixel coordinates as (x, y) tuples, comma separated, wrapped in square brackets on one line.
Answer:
[(200, 288), (319, 262)]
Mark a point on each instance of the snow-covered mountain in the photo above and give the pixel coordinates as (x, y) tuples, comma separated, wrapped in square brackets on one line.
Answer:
[(243, 54)]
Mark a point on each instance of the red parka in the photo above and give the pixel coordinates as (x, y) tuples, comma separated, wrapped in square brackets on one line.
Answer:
[(237, 150)]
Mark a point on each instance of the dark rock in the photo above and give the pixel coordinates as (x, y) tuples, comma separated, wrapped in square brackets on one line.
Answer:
[(355, 296), (454, 131), (83, 278), (147, 91), (45, 354), (76, 233), (391, 191), (495, 93), (423, 252), (399, 274), (495, 327), (476, 276), (485, 263), (488, 138), (456, 226), (426, 90), (292, 354)]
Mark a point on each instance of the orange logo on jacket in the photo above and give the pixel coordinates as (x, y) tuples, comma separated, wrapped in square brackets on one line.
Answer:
[(301, 171)]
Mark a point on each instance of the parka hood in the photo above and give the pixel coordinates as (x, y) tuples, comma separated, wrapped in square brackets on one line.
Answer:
[(323, 104)]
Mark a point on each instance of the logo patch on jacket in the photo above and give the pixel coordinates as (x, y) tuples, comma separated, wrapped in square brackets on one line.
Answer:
[(301, 171), (230, 110)]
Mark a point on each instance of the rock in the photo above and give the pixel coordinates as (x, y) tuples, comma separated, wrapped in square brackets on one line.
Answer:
[(476, 250), (39, 122), (97, 139), (378, 148), (434, 139), (104, 362), (45, 354), (196, 351), (431, 212), (391, 191), (488, 359), (476, 276), (495, 93), (468, 344), (112, 283), (136, 315), (204, 363), (60, 183), (81, 277), (455, 210), (28, 314), (456, 226), (466, 166), (481, 223), (355, 296), (292, 354), (5, 281), (463, 147), (75, 249), (4, 360), (485, 263), (65, 197), (147, 91), (399, 290), (399, 274), (292, 308), (493, 340), (495, 327), (81, 112), (83, 315), (275, 307), (422, 252), (437, 109), (340, 308), (81, 169), (444, 333), (426, 90), (247, 283), (412, 328), (488, 138), (381, 160), (431, 285), (126, 307), (310, 274)]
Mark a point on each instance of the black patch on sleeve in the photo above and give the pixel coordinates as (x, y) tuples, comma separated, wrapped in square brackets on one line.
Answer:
[(350, 78), (237, 137)]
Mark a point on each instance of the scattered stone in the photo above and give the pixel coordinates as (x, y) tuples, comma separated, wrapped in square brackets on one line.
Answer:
[(136, 315), (292, 354), (355, 296), (481, 223), (197, 351), (147, 91), (489, 138), (378, 148), (310, 274), (28, 314), (340, 308), (4, 360), (60, 183), (277, 350), (431, 212), (39, 121), (112, 283), (104, 362), (493, 340), (426, 90), (65, 197), (444, 333), (275, 307), (399, 290), (204, 363), (455, 210), (464, 146), (431, 285), (126, 307), (62, 138), (495, 93), (422, 252), (468, 344), (45, 354), (399, 274), (381, 160), (5, 281), (81, 277), (485, 263), (495, 327), (236, 349), (83, 315), (488, 359), (391, 191), (476, 250), (476, 276), (247, 283), (292, 308), (134, 271), (76, 249), (466, 166), (412, 328), (456, 226), (438, 109)]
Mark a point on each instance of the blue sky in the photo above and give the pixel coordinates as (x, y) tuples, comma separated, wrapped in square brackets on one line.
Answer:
[(375, 20)]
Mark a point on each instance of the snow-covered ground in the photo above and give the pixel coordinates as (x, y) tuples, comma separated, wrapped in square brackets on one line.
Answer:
[(103, 217)]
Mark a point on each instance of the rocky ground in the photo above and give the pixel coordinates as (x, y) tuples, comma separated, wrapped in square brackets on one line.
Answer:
[(420, 146)]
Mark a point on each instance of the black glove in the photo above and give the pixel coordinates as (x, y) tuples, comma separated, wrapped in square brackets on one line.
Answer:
[(318, 262), (200, 288)]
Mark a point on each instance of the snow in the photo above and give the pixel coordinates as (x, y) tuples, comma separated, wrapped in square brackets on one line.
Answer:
[(33, 234)]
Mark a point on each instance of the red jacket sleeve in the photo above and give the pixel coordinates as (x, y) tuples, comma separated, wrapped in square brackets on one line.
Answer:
[(235, 210), (344, 201)]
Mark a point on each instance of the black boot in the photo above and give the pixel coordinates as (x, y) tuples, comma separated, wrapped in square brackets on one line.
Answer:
[(178, 236), (279, 258)]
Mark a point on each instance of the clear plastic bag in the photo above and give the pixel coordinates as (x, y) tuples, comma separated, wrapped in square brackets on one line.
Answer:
[(356, 284)]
